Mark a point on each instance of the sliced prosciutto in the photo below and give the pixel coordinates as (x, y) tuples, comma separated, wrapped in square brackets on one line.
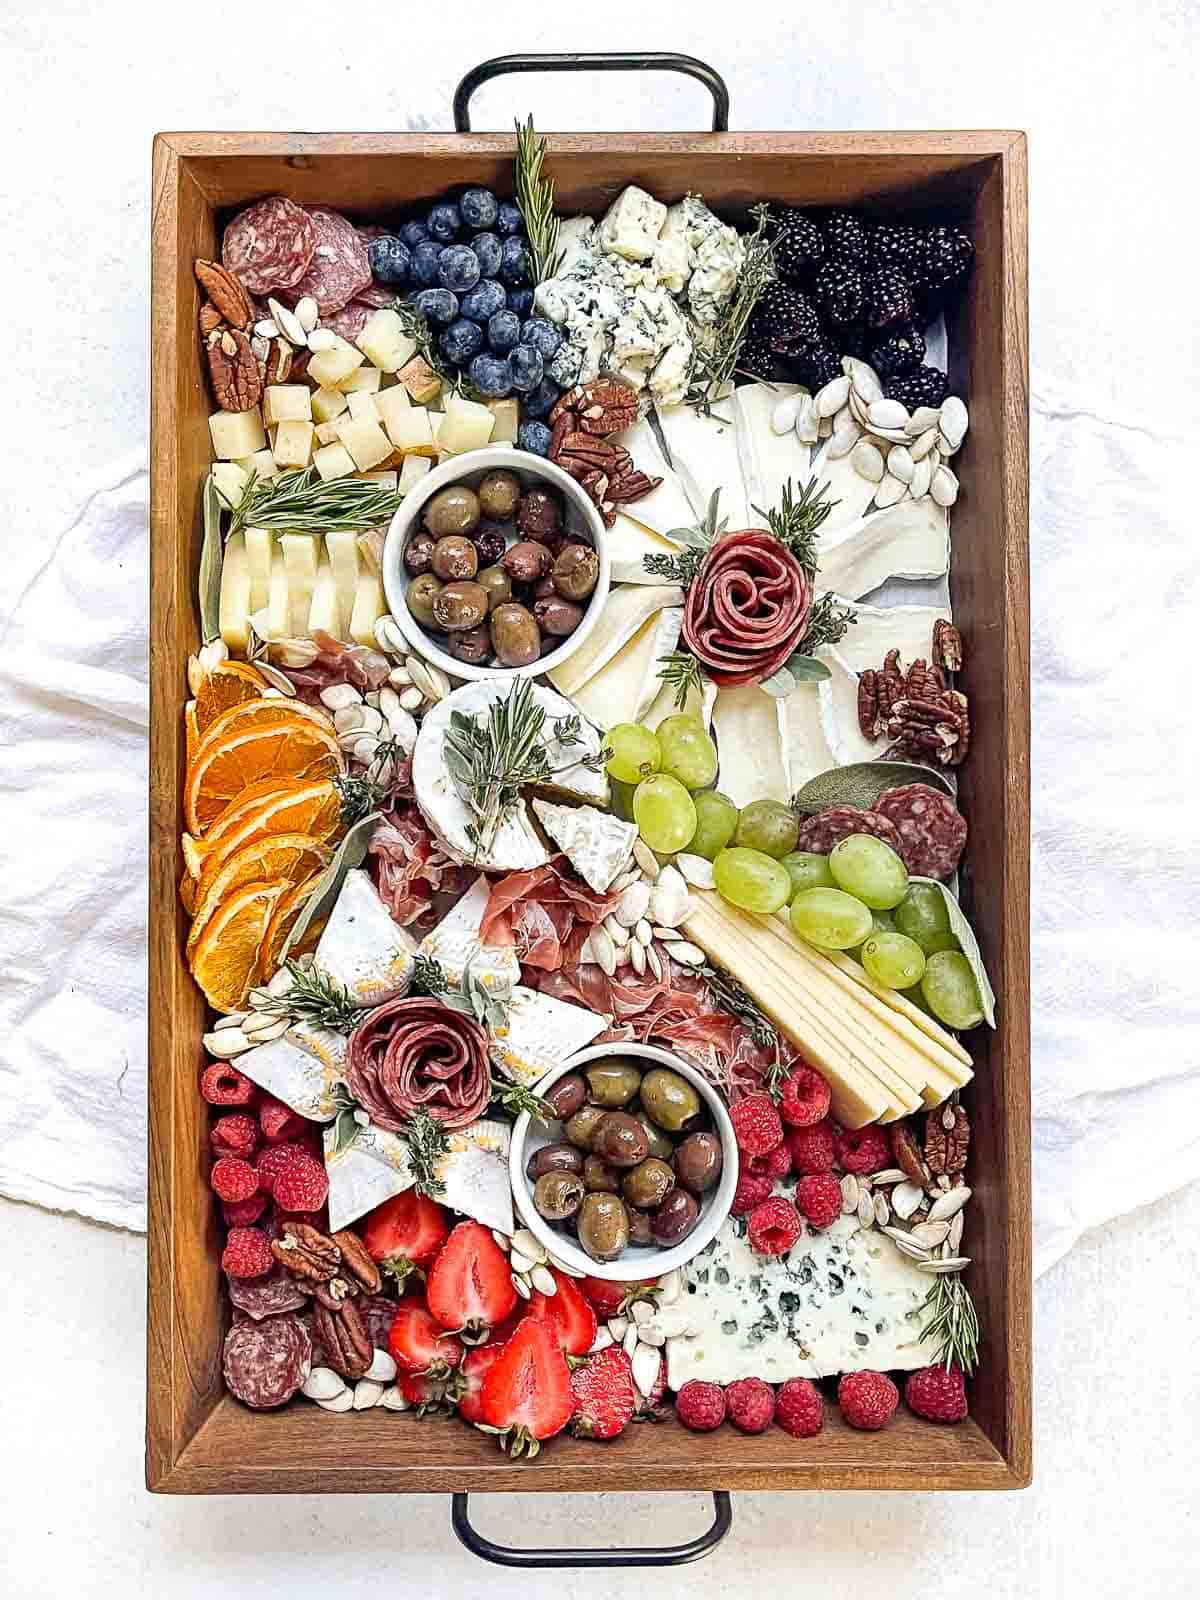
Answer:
[(544, 914)]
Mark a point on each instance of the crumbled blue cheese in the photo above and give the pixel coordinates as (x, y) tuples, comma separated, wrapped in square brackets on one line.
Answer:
[(632, 224)]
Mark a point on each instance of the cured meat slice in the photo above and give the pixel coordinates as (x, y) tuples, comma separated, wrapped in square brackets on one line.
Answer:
[(349, 322), (270, 245), (418, 1055), (824, 829), (378, 1313), (375, 295), (269, 1296), (747, 608), (338, 268), (933, 831), (266, 1362)]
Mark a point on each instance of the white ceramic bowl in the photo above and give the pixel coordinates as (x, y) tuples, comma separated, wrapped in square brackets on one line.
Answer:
[(581, 517), (638, 1261)]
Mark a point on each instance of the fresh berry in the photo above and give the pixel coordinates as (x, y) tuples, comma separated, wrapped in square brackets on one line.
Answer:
[(478, 208), (521, 302), (612, 1299), (423, 264), (484, 300), (750, 1404), (799, 249), (223, 1085), (700, 1406), (863, 1150), (534, 437), (458, 268), (247, 1253), (503, 333), (490, 374), (274, 1159), (868, 1399), (839, 289), (300, 1183), (756, 358), (487, 252), (756, 1124), (232, 1178), (405, 1233), (888, 298), (527, 1392), (605, 1395), (419, 1343), (813, 1149), (444, 222), (799, 1409), (774, 1226), (469, 1287), (541, 335), (803, 1097), (241, 1213), (476, 1365), (785, 318), (542, 401), (819, 1198), (390, 259), (568, 1313), (751, 1191), (413, 234), (235, 1135), (924, 387), (436, 305), (892, 244), (514, 263), (943, 259), (775, 1164), (817, 364), (279, 1122), (902, 351), (509, 220), (525, 367), (845, 235), (462, 340), (936, 1394)]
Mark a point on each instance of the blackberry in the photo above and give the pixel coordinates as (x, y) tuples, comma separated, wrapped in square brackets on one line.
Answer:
[(785, 317), (845, 236), (816, 364), (893, 244), (838, 288), (888, 298), (944, 259), (756, 358), (924, 387), (799, 249), (902, 351)]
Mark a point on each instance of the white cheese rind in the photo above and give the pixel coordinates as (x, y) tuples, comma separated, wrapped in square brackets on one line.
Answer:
[(454, 943), (596, 844), (629, 543), (768, 460), (627, 610), (627, 687), (541, 1033), (361, 947), (475, 1175), (748, 725), (909, 540)]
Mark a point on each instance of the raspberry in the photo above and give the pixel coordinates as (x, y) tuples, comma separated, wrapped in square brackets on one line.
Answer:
[(864, 1150), (241, 1213), (804, 1097), (750, 1404), (937, 1395), (274, 1160), (223, 1085), (751, 1191), (799, 1409), (812, 1149), (868, 1399), (819, 1198), (301, 1184), (756, 1124), (700, 1406), (233, 1179), (776, 1165), (279, 1122), (247, 1253), (235, 1135), (775, 1226)]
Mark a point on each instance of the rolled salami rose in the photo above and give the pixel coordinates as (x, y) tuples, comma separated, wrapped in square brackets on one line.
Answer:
[(417, 1055), (747, 609)]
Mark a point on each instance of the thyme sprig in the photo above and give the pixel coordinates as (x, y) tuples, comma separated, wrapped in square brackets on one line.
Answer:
[(953, 1322), (715, 362), (828, 623), (300, 501), (314, 998), (428, 1142), (516, 1098), (535, 200)]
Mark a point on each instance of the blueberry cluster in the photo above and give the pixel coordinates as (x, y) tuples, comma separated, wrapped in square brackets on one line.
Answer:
[(465, 266)]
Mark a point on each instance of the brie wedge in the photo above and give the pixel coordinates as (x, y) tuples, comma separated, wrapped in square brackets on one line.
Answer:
[(541, 1033), (768, 459), (625, 689), (596, 844), (455, 942), (474, 1173), (295, 1074), (361, 947), (627, 610), (629, 543), (704, 454), (748, 725), (909, 540)]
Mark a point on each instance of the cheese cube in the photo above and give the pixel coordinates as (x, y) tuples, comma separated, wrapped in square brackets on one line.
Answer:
[(230, 480), (508, 420), (287, 402), (333, 461), (261, 464), (468, 426), (366, 380), (236, 434), (412, 433), (233, 613), (362, 405), (391, 404), (386, 480), (419, 378), (385, 342), (260, 548), (327, 404), (369, 606), (293, 444), (365, 440), (330, 367), (413, 470), (300, 564), (326, 433)]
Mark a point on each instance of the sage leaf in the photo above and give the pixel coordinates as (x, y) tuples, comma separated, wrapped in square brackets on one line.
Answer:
[(862, 782), (660, 438), (212, 559), (780, 684), (965, 934), (807, 669), (350, 853)]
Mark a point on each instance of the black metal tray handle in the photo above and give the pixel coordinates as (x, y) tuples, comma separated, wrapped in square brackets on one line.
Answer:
[(672, 1555), (596, 61)]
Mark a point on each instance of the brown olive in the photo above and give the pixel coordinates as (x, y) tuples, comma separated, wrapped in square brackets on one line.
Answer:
[(472, 645), (612, 1084), (544, 589), (669, 1099), (526, 562), (581, 1125), (660, 1145), (491, 545), (698, 1162), (576, 570), (557, 617), (676, 1217), (603, 1225), (597, 1174), (620, 1139), (549, 645), (498, 493), (558, 1195), (639, 1226), (557, 1157), (567, 1095), (649, 1183), (497, 585), (515, 636), (460, 605), (455, 557), (418, 553), (454, 509), (539, 512), (422, 592)]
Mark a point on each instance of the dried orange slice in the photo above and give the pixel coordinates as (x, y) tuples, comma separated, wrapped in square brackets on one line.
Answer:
[(230, 683), (278, 747), (290, 806), (261, 713), (225, 957), (280, 857), (287, 908), (191, 729), (187, 892)]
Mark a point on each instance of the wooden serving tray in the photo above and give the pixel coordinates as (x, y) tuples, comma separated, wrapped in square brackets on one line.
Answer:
[(199, 1439)]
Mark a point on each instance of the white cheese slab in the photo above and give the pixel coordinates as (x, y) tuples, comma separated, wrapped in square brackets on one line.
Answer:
[(909, 540), (699, 703), (363, 1174), (852, 492), (626, 688), (303, 1080), (627, 610), (629, 543), (704, 454), (596, 844), (541, 1033), (768, 459), (806, 749), (748, 725), (361, 947), (475, 1174), (879, 629), (455, 942)]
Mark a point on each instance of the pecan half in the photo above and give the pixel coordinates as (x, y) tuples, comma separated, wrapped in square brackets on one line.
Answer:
[(210, 319), (225, 292), (868, 705), (234, 370), (633, 485), (923, 682), (346, 1341), (357, 1263), (947, 1139), (307, 1253), (906, 1154), (947, 645), (603, 407)]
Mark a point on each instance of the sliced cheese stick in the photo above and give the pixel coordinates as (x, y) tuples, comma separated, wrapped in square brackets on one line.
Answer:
[(908, 1013)]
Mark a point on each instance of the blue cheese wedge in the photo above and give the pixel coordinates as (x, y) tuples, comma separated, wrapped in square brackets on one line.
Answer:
[(540, 1033), (839, 1301), (596, 844), (631, 225), (454, 943), (362, 948)]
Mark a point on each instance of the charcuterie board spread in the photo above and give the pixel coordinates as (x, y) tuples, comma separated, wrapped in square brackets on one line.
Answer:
[(571, 840)]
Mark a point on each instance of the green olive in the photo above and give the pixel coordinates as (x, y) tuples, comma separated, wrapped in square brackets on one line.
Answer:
[(613, 1084), (576, 569), (649, 1183), (422, 592), (454, 509), (603, 1225), (496, 584), (581, 1127), (459, 605), (498, 493), (515, 636), (660, 1145), (597, 1174), (558, 1195), (454, 557), (669, 1100)]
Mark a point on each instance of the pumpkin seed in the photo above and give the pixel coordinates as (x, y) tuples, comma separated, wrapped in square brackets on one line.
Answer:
[(949, 1205), (906, 1197)]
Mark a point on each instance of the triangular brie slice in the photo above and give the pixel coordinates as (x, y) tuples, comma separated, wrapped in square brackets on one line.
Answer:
[(596, 844), (361, 947), (455, 942), (539, 1034)]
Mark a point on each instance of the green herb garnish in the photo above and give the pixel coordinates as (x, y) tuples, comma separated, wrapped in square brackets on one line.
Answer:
[(795, 522), (427, 977), (696, 541), (681, 672), (953, 1322), (516, 1098), (714, 363), (315, 998), (299, 502), (428, 1142), (535, 200)]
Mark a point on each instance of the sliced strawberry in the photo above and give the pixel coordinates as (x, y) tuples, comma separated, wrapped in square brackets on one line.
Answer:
[(567, 1313), (612, 1299), (419, 1344), (526, 1394), (470, 1285), (476, 1365), (503, 1331), (405, 1233), (605, 1395)]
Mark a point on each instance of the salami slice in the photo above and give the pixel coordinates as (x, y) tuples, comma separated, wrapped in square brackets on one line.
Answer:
[(269, 1296), (349, 321), (377, 296), (932, 830), (378, 1313), (824, 829), (338, 268), (269, 245), (266, 1362)]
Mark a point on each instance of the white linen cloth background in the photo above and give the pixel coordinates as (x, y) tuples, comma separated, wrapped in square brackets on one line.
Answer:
[(1116, 892)]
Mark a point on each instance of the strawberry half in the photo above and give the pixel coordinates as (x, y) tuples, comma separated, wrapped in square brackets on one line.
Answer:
[(419, 1344), (469, 1287), (476, 1365), (567, 1314), (526, 1395), (429, 1395), (405, 1233), (613, 1299), (605, 1395)]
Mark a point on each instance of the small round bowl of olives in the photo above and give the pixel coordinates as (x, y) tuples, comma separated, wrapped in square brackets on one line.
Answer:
[(495, 566), (635, 1172)]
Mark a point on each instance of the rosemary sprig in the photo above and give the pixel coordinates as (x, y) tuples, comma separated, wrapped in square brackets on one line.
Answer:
[(680, 569), (827, 623), (315, 998), (428, 1142), (365, 792), (795, 522), (535, 200), (953, 1322), (681, 672), (416, 325), (427, 976), (301, 502), (716, 361), (516, 1098), (732, 997)]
